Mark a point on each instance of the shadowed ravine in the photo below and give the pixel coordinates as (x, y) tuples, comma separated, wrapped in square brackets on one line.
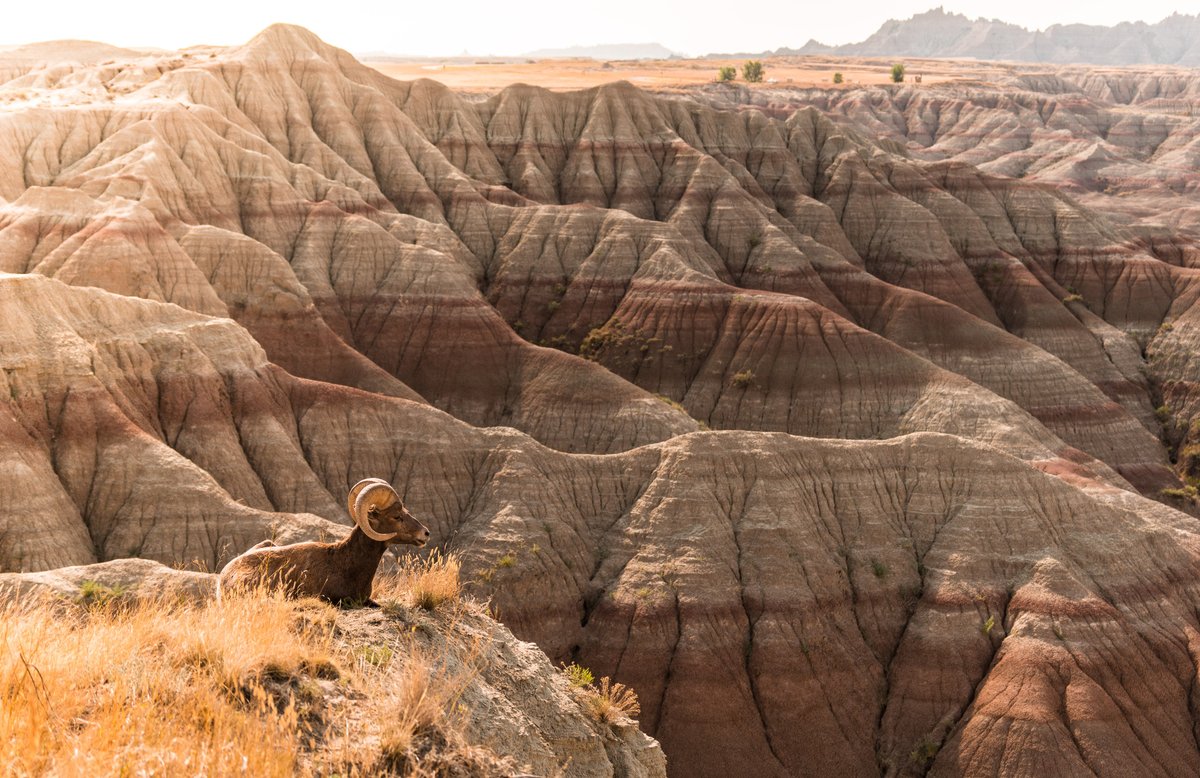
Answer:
[(856, 433)]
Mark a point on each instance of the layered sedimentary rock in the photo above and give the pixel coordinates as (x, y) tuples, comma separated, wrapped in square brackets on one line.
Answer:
[(837, 441)]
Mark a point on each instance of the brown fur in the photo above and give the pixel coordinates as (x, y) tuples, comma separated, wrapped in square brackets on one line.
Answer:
[(339, 572)]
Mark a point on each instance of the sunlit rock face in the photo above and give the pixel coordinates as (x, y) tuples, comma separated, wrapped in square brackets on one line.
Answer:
[(838, 429)]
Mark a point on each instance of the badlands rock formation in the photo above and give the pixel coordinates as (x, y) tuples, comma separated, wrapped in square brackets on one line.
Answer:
[(837, 425)]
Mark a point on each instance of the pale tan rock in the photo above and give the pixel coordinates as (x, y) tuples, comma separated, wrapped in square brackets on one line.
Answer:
[(517, 703), (124, 579)]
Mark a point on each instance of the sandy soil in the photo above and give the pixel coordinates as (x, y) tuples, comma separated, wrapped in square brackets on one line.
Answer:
[(488, 75)]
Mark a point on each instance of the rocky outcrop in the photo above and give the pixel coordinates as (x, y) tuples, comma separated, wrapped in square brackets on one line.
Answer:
[(516, 703), (499, 702), (119, 579)]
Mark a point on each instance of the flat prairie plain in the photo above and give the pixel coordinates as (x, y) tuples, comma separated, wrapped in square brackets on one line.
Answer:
[(484, 74)]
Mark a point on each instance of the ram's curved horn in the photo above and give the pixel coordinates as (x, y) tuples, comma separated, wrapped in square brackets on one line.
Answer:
[(374, 493), (356, 489)]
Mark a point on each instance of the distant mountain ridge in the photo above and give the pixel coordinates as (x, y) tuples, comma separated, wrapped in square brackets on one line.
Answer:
[(936, 33)]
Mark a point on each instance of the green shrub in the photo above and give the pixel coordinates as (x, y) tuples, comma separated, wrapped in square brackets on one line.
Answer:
[(96, 593), (727, 73), (837, 78), (924, 753), (578, 676), (1184, 493), (897, 73), (753, 71), (743, 378)]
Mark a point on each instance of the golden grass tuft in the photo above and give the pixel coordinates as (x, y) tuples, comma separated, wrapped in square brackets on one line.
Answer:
[(606, 701), (610, 702), (422, 583), (158, 687)]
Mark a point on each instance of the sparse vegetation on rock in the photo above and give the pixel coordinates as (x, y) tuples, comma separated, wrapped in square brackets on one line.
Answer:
[(579, 677), (265, 685), (743, 378), (608, 702)]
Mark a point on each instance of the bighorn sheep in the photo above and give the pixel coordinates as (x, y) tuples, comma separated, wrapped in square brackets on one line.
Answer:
[(338, 572)]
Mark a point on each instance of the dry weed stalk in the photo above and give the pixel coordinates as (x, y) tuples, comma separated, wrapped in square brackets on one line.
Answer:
[(610, 702), (607, 701)]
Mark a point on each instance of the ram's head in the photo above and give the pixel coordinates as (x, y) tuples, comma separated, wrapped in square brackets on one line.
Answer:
[(380, 514)]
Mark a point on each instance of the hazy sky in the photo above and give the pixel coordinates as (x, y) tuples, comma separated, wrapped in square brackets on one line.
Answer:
[(498, 27)]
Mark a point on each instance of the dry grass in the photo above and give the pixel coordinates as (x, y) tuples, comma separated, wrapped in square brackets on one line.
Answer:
[(424, 737), (610, 702), (419, 703), (157, 688), (422, 583), (254, 685), (607, 701)]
